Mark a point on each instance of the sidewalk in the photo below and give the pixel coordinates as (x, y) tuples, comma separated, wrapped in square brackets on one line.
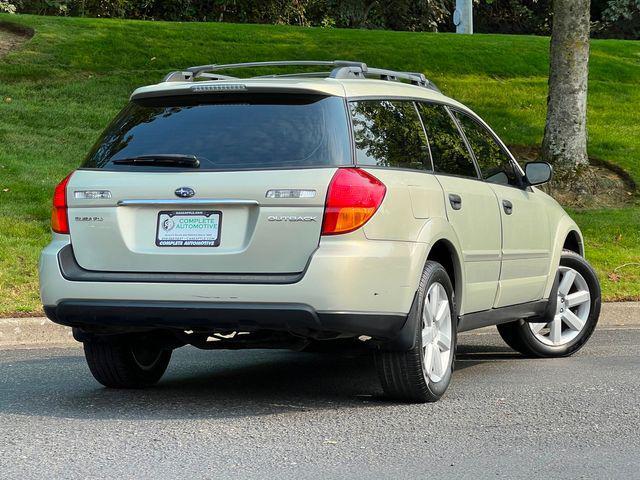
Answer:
[(41, 331)]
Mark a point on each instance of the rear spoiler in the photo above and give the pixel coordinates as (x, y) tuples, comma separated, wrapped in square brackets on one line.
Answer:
[(248, 86)]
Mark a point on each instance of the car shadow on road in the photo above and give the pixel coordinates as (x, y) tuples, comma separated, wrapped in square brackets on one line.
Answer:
[(469, 355), (215, 384)]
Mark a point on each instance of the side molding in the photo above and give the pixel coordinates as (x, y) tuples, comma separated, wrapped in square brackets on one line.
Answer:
[(496, 316)]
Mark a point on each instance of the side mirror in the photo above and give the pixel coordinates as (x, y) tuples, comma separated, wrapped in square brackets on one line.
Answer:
[(537, 173)]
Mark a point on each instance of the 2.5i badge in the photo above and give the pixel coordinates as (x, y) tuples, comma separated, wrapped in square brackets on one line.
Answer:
[(188, 228)]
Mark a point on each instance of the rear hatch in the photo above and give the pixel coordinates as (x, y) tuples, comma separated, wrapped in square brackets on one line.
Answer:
[(217, 184)]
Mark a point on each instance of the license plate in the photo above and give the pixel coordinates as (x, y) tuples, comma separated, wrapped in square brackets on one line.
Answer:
[(188, 229)]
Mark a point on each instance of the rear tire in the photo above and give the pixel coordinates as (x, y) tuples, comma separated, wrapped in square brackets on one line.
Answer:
[(126, 363), (567, 328), (423, 373)]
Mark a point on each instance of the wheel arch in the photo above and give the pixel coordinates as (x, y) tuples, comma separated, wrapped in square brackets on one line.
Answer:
[(444, 252), (573, 242), (443, 249), (567, 237), (443, 246)]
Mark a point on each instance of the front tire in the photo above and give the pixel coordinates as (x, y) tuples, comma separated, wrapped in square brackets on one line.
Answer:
[(567, 327), (423, 373), (126, 363)]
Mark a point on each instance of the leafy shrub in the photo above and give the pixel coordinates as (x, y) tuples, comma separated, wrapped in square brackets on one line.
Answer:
[(6, 7), (611, 18), (620, 19)]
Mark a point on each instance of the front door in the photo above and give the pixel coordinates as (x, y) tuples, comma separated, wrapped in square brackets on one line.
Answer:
[(525, 246)]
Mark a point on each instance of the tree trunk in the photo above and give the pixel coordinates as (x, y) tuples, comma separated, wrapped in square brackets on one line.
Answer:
[(565, 133), (367, 11)]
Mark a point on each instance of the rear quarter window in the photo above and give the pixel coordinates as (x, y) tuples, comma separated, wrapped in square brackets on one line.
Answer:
[(229, 132), (388, 133)]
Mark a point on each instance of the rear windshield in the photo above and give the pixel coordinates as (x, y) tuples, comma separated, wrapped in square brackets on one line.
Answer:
[(228, 133)]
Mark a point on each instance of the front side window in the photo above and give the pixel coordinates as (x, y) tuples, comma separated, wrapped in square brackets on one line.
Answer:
[(388, 133), (448, 150), (495, 164)]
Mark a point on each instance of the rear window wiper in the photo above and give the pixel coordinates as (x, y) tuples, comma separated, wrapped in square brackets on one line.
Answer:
[(160, 160)]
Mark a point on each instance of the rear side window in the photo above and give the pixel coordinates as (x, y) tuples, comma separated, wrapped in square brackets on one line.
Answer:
[(229, 132), (495, 164), (389, 134), (448, 150)]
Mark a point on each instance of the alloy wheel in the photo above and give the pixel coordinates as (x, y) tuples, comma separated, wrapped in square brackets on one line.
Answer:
[(436, 332), (572, 310)]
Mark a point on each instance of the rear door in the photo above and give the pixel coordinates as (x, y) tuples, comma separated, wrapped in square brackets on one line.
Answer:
[(470, 204), (526, 243), (254, 204)]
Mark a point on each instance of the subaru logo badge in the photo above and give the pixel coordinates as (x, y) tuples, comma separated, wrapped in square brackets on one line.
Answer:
[(185, 192)]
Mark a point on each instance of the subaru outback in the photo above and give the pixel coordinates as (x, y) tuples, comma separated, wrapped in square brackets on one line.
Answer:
[(287, 210)]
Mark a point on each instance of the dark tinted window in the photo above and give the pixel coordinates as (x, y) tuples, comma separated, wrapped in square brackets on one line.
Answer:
[(449, 152), (230, 132), (389, 134), (495, 164)]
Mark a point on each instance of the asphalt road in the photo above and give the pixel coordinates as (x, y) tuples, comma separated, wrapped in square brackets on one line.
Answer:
[(274, 414)]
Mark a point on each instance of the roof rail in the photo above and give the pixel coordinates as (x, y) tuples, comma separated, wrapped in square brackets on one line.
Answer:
[(341, 69)]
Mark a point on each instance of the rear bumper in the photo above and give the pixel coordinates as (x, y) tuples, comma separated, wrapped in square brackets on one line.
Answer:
[(352, 285), (300, 319)]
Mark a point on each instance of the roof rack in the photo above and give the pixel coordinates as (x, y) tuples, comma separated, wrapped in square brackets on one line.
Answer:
[(340, 69)]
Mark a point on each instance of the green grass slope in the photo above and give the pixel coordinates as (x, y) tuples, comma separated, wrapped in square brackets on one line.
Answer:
[(74, 74)]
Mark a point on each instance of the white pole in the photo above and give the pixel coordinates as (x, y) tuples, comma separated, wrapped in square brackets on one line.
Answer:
[(463, 16)]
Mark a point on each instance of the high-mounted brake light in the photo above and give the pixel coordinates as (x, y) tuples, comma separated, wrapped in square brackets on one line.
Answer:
[(228, 87), (59, 219), (354, 196)]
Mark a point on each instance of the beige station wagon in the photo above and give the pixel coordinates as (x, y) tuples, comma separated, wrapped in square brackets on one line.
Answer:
[(284, 211)]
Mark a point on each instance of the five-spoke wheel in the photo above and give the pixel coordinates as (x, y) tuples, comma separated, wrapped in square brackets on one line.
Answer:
[(573, 305), (567, 327), (436, 332), (423, 373)]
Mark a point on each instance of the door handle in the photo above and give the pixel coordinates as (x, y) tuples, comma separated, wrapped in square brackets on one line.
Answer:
[(507, 207), (456, 201)]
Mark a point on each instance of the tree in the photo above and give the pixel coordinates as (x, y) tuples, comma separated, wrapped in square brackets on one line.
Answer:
[(565, 134)]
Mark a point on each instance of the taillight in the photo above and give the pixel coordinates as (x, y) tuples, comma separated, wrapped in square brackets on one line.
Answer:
[(59, 219), (353, 197)]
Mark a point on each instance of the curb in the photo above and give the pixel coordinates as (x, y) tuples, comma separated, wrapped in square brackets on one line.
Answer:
[(39, 331), (33, 331)]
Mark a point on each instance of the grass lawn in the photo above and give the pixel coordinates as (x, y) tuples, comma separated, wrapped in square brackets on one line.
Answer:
[(67, 82)]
